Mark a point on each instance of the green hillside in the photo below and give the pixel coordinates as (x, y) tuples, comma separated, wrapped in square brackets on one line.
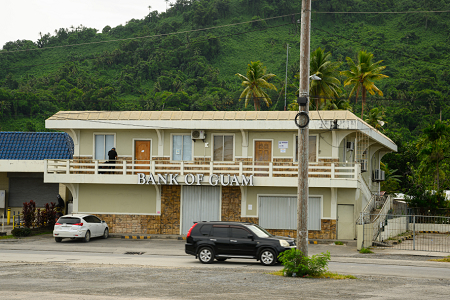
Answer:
[(187, 58)]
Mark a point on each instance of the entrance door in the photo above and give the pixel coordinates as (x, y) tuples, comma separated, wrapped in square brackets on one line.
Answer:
[(142, 154), (263, 155), (199, 203), (346, 223)]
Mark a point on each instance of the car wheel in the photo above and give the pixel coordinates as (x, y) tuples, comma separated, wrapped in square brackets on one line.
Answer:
[(206, 255), (106, 233), (221, 259), (58, 239), (268, 257), (87, 237)]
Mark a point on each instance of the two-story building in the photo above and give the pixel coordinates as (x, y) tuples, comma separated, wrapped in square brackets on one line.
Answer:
[(177, 167)]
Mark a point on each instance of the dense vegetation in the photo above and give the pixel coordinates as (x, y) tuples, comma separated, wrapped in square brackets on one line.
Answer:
[(179, 66)]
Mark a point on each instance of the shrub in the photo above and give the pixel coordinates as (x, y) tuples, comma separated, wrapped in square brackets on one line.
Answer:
[(28, 212), (339, 243), (295, 262), (20, 232), (50, 214), (365, 250)]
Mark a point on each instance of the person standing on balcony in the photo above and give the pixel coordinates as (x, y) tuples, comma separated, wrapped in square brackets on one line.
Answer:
[(112, 155)]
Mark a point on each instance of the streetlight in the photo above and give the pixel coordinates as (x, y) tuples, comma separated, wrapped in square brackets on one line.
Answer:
[(285, 82)]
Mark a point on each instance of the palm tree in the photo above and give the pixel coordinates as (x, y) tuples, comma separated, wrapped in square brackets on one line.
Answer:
[(328, 85), (375, 118), (255, 81), (433, 148), (362, 75)]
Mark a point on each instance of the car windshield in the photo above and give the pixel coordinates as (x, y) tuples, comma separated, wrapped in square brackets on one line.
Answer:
[(68, 220), (259, 231)]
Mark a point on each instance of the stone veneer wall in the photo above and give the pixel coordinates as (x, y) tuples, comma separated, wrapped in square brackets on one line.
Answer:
[(169, 221), (328, 231), (170, 209)]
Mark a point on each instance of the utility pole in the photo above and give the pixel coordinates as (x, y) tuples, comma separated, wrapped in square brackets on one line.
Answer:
[(303, 133), (285, 81)]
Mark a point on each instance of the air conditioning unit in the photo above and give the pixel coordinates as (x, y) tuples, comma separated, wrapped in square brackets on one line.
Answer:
[(364, 165), (378, 175), (350, 146), (198, 134)]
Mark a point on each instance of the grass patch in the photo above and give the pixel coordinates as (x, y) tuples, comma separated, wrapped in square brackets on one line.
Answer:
[(445, 259), (4, 237), (327, 275), (339, 243), (365, 250)]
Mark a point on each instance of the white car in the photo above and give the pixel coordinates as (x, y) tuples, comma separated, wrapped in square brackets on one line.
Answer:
[(80, 226)]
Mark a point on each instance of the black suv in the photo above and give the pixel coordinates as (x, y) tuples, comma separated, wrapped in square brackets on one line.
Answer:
[(223, 240)]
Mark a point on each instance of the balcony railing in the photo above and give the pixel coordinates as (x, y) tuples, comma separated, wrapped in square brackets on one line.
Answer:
[(333, 170)]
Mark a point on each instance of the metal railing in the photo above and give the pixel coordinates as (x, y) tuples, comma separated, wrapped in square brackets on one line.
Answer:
[(332, 170), (409, 232)]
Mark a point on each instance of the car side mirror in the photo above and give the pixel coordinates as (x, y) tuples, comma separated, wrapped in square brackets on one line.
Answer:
[(250, 236), (103, 221)]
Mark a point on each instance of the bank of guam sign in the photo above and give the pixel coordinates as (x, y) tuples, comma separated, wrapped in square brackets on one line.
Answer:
[(191, 179)]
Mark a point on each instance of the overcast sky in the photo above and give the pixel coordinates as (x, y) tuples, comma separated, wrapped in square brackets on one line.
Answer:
[(24, 19)]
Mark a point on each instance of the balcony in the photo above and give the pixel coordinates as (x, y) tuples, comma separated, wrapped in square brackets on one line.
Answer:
[(322, 174)]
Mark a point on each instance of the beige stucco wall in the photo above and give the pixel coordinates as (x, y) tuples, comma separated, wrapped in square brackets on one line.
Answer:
[(275, 137), (346, 196), (324, 142), (125, 199), (124, 141), (326, 194)]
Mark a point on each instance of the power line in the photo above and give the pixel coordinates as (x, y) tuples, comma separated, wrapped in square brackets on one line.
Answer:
[(227, 25), (381, 49), (144, 50), (238, 99), (154, 36), (381, 12)]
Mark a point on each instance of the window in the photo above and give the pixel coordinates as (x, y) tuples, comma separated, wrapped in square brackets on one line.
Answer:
[(103, 143), (205, 230), (312, 148), (181, 147), (220, 231), (239, 233), (223, 148)]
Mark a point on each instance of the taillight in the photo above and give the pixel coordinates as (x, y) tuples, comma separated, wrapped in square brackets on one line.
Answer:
[(78, 224), (189, 232), (57, 223)]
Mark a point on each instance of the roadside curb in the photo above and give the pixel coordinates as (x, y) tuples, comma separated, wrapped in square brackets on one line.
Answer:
[(148, 237), (180, 237)]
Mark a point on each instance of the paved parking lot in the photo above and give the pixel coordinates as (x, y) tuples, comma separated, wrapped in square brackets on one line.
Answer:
[(38, 267)]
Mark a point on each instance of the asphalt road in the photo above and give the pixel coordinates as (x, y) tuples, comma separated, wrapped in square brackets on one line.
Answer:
[(40, 268)]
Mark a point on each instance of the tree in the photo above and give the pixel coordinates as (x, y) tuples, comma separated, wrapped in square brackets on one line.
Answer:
[(362, 75), (375, 118), (255, 81), (328, 85), (433, 149), (391, 184)]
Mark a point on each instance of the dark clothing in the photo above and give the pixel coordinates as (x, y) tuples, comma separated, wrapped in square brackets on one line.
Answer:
[(112, 154), (60, 201)]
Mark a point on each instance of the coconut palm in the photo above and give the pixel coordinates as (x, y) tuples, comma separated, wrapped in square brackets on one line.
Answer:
[(375, 118), (255, 81), (328, 85), (362, 75), (433, 148)]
